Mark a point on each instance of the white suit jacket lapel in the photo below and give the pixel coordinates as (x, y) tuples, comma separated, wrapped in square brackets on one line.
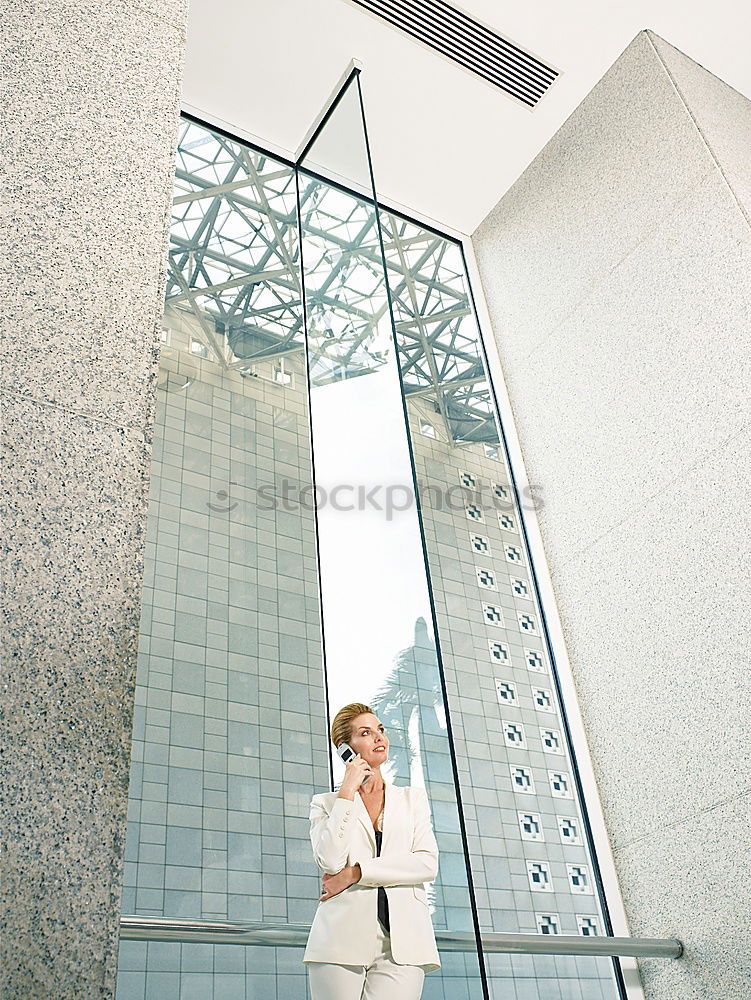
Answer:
[(389, 802), (364, 818)]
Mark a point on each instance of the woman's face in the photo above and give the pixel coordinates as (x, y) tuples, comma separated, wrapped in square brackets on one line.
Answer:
[(369, 739)]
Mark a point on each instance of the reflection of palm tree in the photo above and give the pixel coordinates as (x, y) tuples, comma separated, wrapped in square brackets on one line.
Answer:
[(410, 704), (407, 698)]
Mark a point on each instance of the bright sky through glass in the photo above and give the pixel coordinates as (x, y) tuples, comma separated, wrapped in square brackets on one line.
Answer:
[(372, 569)]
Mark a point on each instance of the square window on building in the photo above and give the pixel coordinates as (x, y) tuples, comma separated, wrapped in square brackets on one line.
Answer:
[(560, 785), (522, 780), (283, 377), (499, 652), (502, 493), (506, 692), (538, 874), (507, 522), (530, 826), (468, 480), (513, 734), (198, 349), (588, 926), (473, 512), (164, 336), (492, 614), (551, 741), (486, 578), (568, 828), (491, 451), (526, 622), (543, 700), (480, 544), (427, 430), (548, 923), (534, 660), (513, 554), (578, 877), (520, 587)]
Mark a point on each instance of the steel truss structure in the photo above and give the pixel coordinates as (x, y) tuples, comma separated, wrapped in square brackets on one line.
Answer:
[(234, 282)]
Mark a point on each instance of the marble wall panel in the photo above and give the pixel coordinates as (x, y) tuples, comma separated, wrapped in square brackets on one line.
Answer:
[(630, 396)]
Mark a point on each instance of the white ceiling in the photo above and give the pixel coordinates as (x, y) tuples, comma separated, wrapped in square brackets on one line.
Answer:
[(446, 145)]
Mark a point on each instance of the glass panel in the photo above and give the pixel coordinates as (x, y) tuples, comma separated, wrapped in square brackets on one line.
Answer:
[(338, 151), (380, 645), (527, 837), (229, 694), (174, 971)]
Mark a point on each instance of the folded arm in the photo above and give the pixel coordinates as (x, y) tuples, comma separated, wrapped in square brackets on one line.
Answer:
[(410, 868), (330, 834)]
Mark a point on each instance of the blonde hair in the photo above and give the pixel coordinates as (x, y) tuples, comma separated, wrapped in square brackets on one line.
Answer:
[(341, 727)]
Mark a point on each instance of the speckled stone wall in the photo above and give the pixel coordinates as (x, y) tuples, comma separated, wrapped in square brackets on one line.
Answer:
[(89, 132), (617, 276)]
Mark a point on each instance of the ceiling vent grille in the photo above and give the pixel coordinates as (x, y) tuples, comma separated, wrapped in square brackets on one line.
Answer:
[(459, 37)]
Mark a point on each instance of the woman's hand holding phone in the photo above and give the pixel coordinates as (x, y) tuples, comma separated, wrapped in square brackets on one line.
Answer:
[(356, 772)]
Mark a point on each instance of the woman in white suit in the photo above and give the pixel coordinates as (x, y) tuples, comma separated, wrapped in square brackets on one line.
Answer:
[(372, 936)]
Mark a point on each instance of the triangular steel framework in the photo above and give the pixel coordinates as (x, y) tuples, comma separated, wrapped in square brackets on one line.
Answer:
[(233, 279)]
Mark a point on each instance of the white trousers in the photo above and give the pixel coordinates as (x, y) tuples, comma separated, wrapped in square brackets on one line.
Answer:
[(383, 980)]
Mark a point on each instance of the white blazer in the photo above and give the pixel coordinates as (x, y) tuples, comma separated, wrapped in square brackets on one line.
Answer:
[(341, 832)]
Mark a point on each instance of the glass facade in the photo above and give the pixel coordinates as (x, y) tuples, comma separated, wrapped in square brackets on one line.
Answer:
[(297, 311), (379, 638), (530, 861)]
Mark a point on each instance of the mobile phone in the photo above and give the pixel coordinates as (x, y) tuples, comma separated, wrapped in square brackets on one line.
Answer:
[(346, 752)]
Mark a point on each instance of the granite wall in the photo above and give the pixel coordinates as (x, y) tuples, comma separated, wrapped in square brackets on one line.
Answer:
[(90, 127), (616, 271)]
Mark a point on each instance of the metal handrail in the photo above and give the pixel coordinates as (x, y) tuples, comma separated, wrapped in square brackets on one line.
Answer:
[(134, 928)]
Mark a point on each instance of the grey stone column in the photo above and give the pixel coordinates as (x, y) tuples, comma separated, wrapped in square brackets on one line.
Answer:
[(618, 276), (92, 101)]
